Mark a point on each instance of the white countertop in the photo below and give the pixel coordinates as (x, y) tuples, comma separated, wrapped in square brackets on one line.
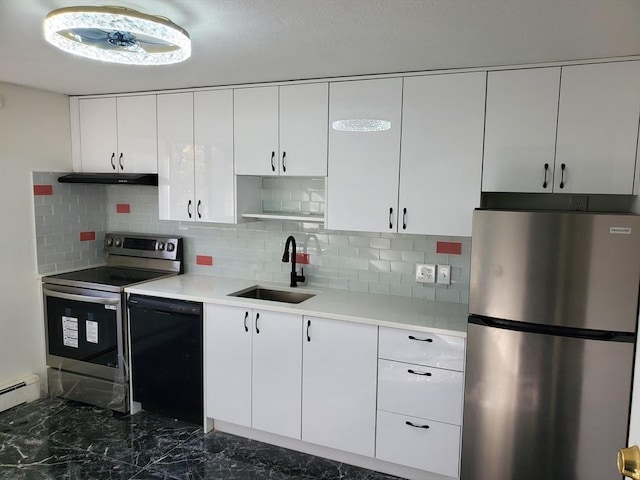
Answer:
[(384, 310)]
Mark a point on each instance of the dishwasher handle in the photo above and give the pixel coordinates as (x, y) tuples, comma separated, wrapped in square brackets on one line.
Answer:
[(167, 305)]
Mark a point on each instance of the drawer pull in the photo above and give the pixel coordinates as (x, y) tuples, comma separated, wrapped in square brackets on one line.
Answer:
[(426, 374), (411, 337), (414, 425)]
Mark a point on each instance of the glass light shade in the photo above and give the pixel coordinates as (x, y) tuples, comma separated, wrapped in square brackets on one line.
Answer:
[(361, 125), (116, 34)]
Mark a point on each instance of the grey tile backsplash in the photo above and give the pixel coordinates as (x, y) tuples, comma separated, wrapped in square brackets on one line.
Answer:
[(367, 262)]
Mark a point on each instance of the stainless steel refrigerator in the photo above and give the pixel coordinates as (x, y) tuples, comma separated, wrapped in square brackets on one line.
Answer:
[(552, 329)]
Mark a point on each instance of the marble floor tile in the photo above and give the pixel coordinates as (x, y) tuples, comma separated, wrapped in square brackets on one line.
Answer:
[(56, 439)]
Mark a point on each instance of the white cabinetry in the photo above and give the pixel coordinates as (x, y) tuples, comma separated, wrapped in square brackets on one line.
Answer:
[(281, 130), (118, 134), (195, 158), (433, 187), (420, 402), (362, 183), (441, 160), (598, 128), (254, 368), (339, 385), (520, 132), (591, 151)]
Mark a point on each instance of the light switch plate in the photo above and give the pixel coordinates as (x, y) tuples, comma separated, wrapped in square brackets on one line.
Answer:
[(444, 275), (425, 273)]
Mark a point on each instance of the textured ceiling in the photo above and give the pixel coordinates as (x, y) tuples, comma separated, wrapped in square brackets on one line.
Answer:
[(248, 41)]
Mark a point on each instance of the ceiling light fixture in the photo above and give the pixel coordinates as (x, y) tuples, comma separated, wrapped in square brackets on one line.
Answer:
[(117, 34), (361, 125)]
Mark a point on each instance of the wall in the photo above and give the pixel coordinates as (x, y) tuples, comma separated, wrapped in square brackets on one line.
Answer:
[(365, 262), (34, 135)]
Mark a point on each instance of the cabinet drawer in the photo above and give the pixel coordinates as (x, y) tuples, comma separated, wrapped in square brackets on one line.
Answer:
[(420, 391), (428, 349), (435, 449)]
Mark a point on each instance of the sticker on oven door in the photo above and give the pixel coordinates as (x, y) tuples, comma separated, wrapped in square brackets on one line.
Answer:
[(111, 307), (92, 331), (70, 331)]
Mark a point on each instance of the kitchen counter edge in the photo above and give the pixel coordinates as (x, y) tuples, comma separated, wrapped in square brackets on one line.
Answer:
[(420, 315)]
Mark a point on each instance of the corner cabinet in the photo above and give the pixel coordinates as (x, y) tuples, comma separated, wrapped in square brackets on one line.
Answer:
[(570, 129), (431, 187), (254, 368), (118, 134), (281, 130), (195, 159), (339, 385)]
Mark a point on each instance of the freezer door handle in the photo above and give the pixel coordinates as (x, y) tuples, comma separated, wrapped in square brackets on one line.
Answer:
[(411, 337)]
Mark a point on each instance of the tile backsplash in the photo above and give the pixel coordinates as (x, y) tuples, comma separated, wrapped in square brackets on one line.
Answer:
[(70, 222), (367, 262)]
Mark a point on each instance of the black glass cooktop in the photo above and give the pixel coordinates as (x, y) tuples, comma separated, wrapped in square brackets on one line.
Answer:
[(112, 276)]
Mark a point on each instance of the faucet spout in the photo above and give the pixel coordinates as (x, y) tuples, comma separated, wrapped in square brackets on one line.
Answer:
[(295, 278)]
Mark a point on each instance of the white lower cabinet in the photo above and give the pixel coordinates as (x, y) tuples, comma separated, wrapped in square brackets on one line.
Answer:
[(339, 385), (254, 367), (420, 398), (418, 443)]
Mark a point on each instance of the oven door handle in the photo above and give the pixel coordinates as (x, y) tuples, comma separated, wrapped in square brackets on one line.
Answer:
[(81, 298)]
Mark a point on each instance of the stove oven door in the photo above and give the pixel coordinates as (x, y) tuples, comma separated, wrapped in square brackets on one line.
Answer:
[(85, 332)]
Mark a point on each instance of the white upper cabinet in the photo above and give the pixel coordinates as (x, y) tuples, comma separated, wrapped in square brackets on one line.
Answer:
[(118, 134), (176, 157), (441, 160), (213, 137), (520, 132), (281, 130), (364, 155), (598, 128), (570, 129), (195, 159)]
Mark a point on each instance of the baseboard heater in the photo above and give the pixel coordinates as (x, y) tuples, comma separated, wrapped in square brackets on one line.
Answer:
[(23, 390)]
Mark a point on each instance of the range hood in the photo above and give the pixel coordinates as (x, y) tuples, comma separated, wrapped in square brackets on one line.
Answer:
[(111, 178)]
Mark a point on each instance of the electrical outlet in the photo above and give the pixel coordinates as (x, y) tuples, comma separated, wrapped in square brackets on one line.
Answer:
[(444, 275), (425, 273), (579, 202)]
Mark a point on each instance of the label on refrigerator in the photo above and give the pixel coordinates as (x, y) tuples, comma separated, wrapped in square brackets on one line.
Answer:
[(92, 331), (620, 230), (70, 332)]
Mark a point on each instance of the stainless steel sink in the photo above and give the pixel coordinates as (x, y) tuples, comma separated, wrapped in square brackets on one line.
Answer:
[(261, 293)]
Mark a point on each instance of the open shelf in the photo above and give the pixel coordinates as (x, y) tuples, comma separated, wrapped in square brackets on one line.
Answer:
[(290, 217)]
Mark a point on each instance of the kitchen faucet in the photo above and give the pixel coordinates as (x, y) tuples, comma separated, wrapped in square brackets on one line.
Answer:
[(295, 278)]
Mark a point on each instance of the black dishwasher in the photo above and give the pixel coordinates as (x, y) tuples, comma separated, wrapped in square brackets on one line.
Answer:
[(166, 356)]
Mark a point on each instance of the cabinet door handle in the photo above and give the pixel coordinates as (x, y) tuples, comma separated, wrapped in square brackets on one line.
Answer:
[(189, 208), (113, 156), (424, 374), (284, 167), (308, 326), (404, 218), (273, 167), (198, 208), (246, 315), (546, 169), (562, 167), (257, 318), (120, 161), (411, 337), (390, 217), (415, 425)]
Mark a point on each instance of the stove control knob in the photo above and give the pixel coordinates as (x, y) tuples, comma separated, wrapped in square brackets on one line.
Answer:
[(117, 242), (170, 247), (160, 245), (108, 241)]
